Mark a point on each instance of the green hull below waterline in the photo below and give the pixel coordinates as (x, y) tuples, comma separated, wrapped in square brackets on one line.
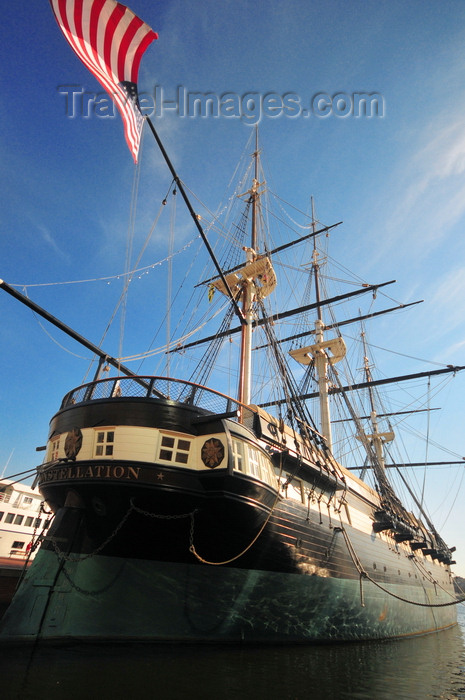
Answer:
[(106, 598)]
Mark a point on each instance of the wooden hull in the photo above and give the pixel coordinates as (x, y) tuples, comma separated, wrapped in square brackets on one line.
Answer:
[(296, 583), (195, 543)]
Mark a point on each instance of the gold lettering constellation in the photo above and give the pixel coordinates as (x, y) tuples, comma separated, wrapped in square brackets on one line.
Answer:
[(92, 471)]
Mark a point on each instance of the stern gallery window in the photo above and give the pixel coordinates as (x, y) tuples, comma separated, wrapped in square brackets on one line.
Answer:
[(104, 443)]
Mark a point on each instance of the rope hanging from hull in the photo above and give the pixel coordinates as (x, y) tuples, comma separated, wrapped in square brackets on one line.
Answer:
[(365, 576)]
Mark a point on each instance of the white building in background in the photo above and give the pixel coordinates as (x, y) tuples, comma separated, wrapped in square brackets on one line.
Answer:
[(21, 518)]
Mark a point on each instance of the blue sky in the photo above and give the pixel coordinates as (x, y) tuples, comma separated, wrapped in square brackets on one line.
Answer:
[(397, 181)]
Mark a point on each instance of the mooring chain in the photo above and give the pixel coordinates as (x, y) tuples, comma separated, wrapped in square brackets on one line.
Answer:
[(37, 538), (66, 557), (162, 517), (82, 590), (132, 508)]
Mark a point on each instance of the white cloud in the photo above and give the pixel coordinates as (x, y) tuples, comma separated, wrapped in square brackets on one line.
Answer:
[(450, 295), (50, 241)]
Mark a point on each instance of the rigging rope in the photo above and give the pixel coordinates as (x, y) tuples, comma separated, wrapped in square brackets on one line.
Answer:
[(130, 275), (129, 246), (28, 472), (169, 287), (176, 343), (47, 333), (364, 575), (428, 421), (246, 549), (205, 367), (108, 278)]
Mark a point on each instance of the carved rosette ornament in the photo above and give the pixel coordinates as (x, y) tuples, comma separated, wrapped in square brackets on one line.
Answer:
[(73, 443), (212, 453)]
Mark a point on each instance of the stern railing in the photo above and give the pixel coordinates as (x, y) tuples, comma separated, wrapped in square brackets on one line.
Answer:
[(156, 388)]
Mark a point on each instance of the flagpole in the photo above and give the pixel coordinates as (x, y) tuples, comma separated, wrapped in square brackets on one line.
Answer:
[(195, 218), (120, 81)]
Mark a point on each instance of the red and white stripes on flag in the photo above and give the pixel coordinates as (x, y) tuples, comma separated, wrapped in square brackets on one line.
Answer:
[(110, 40)]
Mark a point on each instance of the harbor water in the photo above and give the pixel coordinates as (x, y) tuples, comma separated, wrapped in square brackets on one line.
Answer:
[(427, 667)]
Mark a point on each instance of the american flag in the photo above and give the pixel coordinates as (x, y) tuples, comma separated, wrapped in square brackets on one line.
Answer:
[(110, 40)]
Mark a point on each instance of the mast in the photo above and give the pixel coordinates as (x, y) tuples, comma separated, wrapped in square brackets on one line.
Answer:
[(315, 265), (322, 353), (320, 357), (377, 439), (254, 280), (245, 363), (245, 366)]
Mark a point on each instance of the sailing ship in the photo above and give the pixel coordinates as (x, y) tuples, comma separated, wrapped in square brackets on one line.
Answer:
[(185, 513)]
